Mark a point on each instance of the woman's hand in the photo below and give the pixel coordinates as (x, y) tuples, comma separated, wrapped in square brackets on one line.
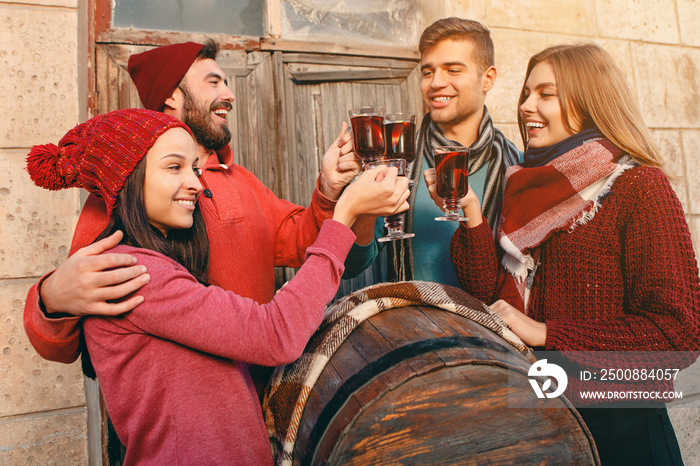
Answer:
[(530, 331), (379, 191), (470, 203)]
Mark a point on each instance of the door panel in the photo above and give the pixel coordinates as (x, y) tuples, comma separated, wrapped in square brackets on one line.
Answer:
[(315, 93)]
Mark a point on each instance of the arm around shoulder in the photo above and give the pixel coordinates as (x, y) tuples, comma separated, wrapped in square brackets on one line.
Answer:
[(55, 339)]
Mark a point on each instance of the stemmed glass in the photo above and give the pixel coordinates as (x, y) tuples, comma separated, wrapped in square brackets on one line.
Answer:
[(367, 132), (451, 179), (399, 131)]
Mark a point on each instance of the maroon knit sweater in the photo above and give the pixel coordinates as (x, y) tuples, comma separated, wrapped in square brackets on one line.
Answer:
[(625, 281)]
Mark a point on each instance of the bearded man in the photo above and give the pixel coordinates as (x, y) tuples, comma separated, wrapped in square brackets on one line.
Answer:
[(250, 230)]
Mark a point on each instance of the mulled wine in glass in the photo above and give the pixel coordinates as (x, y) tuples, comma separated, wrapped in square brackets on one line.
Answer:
[(367, 132), (451, 179), (399, 136), (399, 131)]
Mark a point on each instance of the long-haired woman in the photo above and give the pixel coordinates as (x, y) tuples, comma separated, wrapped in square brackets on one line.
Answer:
[(174, 371), (593, 253)]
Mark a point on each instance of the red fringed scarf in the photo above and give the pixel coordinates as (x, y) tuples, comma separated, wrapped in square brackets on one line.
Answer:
[(557, 196)]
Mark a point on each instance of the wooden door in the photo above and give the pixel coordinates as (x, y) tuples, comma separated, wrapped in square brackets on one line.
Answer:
[(315, 92), (288, 109), (253, 121)]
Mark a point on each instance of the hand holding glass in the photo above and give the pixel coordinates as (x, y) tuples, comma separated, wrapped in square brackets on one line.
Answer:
[(393, 223), (451, 179)]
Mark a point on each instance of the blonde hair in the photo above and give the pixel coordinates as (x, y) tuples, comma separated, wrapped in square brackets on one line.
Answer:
[(593, 92)]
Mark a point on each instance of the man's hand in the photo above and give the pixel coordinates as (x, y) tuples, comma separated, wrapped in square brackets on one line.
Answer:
[(340, 165), (530, 331), (89, 283)]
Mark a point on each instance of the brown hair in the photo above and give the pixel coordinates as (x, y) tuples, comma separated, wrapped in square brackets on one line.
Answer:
[(593, 92), (459, 29), (210, 50)]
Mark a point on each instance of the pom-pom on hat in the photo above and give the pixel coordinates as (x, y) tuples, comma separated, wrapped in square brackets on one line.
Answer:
[(157, 72), (100, 154)]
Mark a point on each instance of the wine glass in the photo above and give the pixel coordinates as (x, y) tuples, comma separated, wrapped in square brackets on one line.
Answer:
[(367, 132), (451, 179), (393, 223), (399, 136)]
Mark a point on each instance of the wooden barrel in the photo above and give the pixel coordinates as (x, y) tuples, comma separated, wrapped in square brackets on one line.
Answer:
[(419, 385)]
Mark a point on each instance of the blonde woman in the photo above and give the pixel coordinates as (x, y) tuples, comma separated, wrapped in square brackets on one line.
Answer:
[(593, 252)]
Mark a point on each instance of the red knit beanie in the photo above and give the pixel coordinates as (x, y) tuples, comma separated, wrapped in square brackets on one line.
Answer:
[(100, 154), (157, 72)]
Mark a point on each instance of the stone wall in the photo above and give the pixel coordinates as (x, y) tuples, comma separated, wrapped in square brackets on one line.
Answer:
[(42, 404)]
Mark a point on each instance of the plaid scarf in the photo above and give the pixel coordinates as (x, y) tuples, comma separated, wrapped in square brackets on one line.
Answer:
[(491, 147), (291, 385), (558, 196)]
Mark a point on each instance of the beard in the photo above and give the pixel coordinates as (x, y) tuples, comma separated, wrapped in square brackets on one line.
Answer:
[(207, 133)]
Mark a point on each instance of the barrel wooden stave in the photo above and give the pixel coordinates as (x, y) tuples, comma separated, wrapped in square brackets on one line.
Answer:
[(447, 406)]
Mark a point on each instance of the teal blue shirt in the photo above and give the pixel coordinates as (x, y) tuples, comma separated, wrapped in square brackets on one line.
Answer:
[(431, 245)]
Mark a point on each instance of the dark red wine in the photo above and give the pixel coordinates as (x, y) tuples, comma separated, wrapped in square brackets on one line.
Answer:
[(399, 140), (369, 139), (451, 174)]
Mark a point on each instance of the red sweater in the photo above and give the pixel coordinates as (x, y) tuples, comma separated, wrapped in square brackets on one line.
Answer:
[(625, 281), (173, 371), (250, 232)]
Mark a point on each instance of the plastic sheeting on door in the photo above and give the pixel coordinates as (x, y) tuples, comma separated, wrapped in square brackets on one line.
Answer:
[(377, 22)]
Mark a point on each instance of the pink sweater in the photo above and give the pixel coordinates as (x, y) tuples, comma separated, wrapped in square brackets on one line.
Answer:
[(250, 232), (173, 371)]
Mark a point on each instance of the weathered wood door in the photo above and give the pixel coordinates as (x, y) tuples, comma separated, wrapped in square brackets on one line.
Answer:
[(314, 93), (288, 109), (253, 122)]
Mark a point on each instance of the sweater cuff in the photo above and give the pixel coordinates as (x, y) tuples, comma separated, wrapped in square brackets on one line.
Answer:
[(335, 239), (323, 207), (556, 339), (477, 233), (55, 339)]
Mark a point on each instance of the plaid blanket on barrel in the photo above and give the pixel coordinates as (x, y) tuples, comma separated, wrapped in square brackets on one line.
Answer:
[(291, 385)]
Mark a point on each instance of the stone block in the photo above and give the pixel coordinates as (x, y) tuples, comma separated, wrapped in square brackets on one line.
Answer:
[(36, 225), (30, 384), (670, 147), (688, 381), (622, 56), (688, 16), (647, 20), (513, 51), (694, 225), (668, 85), (434, 10), (561, 17), (691, 150), (47, 439), (39, 66), (686, 423)]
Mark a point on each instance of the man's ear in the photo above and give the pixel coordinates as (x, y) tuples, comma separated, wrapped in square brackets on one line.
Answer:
[(489, 77), (175, 102)]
